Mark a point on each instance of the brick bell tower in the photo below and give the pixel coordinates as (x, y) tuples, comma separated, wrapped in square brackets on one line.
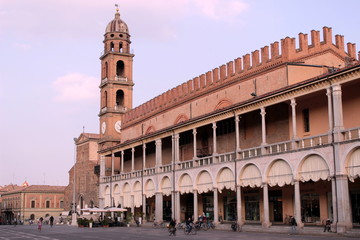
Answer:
[(116, 87)]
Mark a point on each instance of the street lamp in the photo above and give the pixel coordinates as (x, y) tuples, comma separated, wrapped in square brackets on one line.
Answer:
[(73, 216)]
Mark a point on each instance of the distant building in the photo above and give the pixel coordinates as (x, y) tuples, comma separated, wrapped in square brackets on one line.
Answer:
[(86, 177), (272, 134), (31, 202)]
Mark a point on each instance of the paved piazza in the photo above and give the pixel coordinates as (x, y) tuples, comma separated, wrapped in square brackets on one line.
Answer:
[(69, 233)]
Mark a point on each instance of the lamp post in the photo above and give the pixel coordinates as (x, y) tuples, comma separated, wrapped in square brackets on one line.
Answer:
[(73, 216)]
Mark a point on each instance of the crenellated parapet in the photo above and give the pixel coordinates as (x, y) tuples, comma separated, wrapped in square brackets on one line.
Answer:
[(257, 62)]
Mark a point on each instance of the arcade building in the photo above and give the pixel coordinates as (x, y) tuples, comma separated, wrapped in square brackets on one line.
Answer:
[(271, 134)]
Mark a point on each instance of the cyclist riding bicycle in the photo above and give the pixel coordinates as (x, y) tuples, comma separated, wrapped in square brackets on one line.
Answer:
[(189, 224)]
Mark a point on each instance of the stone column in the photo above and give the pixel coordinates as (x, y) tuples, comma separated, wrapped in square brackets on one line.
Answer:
[(334, 204), (158, 154), (196, 210), (263, 126), (266, 222), (112, 164), (158, 206), (338, 110), (176, 147), (144, 156), (194, 145), (297, 212), (214, 138), (293, 118), (177, 207), (132, 207), (237, 132), (239, 205), (173, 205), (132, 159), (122, 161), (330, 114), (216, 206), (144, 207), (343, 204)]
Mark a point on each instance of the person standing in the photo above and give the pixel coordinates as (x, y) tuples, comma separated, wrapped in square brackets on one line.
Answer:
[(51, 221)]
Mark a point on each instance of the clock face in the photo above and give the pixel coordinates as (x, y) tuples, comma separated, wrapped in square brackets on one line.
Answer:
[(118, 126), (103, 127)]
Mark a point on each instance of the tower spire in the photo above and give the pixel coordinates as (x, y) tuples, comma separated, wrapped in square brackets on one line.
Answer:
[(117, 8)]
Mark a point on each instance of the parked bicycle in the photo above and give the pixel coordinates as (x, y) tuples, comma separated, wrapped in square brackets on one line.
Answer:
[(180, 226), (157, 224), (236, 227), (201, 226), (211, 224)]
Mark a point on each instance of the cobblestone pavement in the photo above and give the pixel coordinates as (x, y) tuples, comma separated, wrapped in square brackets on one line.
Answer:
[(59, 232)]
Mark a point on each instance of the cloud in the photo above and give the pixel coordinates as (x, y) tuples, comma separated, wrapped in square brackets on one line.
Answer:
[(76, 87), (83, 19)]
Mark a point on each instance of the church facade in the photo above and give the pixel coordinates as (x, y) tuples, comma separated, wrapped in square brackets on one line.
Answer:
[(269, 135)]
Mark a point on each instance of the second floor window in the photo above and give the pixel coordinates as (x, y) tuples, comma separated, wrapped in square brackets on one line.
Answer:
[(47, 204), (33, 204)]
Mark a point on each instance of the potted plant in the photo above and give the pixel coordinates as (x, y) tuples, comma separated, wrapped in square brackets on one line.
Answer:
[(129, 217), (105, 222), (91, 221), (80, 222)]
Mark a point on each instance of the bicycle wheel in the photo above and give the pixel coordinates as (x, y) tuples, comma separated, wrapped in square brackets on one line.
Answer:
[(193, 231), (186, 232), (162, 225), (204, 227)]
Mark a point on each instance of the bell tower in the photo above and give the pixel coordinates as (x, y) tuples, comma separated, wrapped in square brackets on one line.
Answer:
[(116, 87)]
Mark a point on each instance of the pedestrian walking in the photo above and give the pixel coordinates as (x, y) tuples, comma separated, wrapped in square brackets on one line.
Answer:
[(293, 224), (40, 221), (51, 221), (327, 225)]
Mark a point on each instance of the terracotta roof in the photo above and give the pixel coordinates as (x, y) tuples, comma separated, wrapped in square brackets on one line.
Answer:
[(37, 188), (43, 188), (10, 187)]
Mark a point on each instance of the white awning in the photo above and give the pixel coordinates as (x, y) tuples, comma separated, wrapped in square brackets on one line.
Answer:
[(127, 196), (149, 189), (166, 186), (137, 195), (185, 185), (250, 177), (353, 167), (204, 183), (280, 174), (314, 168), (226, 180)]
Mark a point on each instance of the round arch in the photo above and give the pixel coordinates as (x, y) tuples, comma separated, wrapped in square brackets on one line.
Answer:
[(225, 179), (185, 184), (353, 164), (137, 194), (149, 188), (107, 196), (279, 173), (314, 168), (166, 186), (116, 195), (204, 182), (250, 176), (126, 195)]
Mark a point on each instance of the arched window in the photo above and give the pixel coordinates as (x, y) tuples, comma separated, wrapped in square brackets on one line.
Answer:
[(120, 67), (32, 216), (111, 46), (120, 47), (119, 98)]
